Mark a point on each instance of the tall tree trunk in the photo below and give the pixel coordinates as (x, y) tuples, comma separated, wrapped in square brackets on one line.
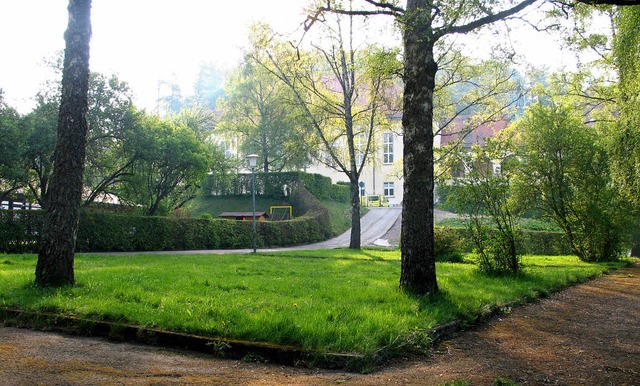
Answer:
[(55, 259), (355, 241), (418, 269)]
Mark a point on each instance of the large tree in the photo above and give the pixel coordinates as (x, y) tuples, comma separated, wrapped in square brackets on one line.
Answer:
[(424, 23), (55, 259), (340, 89), (40, 125), (12, 148), (258, 108), (110, 120), (171, 163)]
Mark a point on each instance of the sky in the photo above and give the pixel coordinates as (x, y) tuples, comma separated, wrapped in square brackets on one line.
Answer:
[(142, 41), (145, 42)]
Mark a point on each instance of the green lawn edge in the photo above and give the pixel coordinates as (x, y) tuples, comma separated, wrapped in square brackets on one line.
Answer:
[(338, 302)]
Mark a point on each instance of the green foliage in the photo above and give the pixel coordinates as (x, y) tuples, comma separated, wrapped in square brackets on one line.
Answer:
[(258, 108), (171, 163), (329, 300), (109, 118), (624, 135), (41, 126), (12, 148), (526, 224), (273, 185), (565, 174), (492, 215), (20, 230), (101, 232), (111, 122), (447, 245), (531, 242)]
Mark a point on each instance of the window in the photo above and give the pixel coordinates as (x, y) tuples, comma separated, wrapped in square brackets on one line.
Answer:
[(387, 148), (359, 142), (389, 189)]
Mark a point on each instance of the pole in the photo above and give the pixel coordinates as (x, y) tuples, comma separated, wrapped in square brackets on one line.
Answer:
[(253, 194)]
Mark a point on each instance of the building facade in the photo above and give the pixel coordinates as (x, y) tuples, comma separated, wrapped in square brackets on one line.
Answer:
[(382, 172)]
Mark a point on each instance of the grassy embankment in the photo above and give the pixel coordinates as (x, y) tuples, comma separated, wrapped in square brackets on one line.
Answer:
[(338, 211), (329, 300)]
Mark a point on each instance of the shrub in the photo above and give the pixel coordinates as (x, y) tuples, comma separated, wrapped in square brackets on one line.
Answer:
[(532, 242), (107, 232), (20, 230), (273, 184), (447, 245)]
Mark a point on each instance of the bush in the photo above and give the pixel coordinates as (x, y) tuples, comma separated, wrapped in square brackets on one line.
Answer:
[(273, 185), (20, 230), (107, 232), (447, 245), (532, 242)]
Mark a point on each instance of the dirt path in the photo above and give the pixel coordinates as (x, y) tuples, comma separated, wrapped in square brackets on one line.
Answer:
[(586, 335)]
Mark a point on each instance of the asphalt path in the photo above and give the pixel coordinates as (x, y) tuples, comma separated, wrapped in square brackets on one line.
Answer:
[(373, 226)]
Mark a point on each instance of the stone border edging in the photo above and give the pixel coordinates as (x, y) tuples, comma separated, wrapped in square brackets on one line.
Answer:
[(219, 347)]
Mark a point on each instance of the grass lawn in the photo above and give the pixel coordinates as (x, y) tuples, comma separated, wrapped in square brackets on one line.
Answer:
[(331, 300), (215, 205)]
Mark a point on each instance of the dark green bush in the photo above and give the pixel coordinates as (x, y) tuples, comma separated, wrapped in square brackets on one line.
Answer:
[(107, 232), (20, 230), (533, 242), (273, 185), (447, 245)]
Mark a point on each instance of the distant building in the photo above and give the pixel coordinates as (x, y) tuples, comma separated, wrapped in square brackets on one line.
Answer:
[(382, 172), (466, 134)]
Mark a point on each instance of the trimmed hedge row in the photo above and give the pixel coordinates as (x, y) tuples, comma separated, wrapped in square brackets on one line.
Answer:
[(102, 232), (20, 230), (273, 185), (105, 232), (532, 242)]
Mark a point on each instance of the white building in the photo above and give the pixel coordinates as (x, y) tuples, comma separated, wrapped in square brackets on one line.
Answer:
[(382, 173)]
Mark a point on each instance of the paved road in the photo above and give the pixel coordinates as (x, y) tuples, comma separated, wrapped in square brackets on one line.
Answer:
[(374, 225)]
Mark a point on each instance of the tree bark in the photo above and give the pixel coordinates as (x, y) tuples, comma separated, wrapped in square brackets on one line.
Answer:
[(55, 259), (418, 269), (355, 239)]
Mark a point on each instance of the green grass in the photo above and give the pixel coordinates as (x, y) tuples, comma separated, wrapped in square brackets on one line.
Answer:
[(216, 205), (339, 212), (330, 300)]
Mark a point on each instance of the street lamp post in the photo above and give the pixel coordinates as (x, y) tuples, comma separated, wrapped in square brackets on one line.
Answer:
[(253, 159)]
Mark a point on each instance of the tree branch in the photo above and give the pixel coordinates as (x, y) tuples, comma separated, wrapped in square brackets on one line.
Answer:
[(483, 20)]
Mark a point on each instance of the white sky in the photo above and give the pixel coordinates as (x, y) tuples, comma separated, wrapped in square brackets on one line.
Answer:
[(145, 41)]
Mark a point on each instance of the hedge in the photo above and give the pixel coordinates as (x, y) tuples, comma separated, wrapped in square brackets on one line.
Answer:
[(106, 232), (273, 184), (532, 242), (20, 230)]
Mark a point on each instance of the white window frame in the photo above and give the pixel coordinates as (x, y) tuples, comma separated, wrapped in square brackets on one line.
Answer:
[(387, 148), (389, 189)]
